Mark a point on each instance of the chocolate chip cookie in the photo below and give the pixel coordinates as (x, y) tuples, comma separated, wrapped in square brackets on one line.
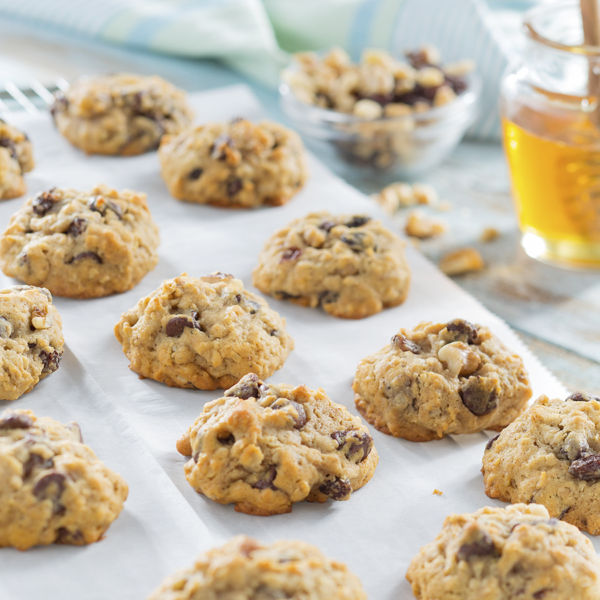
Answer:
[(54, 489), (16, 158), (120, 114), (440, 379), (350, 265), (31, 339), (550, 455), (81, 244), (505, 554), (265, 447), (204, 333), (246, 569), (237, 164)]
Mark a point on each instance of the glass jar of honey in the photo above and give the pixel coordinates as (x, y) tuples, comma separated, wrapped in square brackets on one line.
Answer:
[(551, 128)]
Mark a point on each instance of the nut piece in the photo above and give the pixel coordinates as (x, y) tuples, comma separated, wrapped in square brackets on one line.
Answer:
[(398, 195), (459, 359), (368, 109), (421, 226), (425, 194), (461, 261), (489, 234)]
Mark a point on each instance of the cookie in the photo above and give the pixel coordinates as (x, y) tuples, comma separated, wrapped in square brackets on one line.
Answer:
[(31, 339), (120, 114), (53, 489), (246, 569), (204, 333), (350, 265), (81, 244), (550, 455), (237, 164), (16, 158), (505, 554), (440, 379), (265, 447)]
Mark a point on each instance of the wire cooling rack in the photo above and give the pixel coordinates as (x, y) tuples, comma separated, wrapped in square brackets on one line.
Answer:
[(33, 98)]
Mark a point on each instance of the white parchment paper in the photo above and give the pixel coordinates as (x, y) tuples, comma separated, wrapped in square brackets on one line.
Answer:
[(133, 424)]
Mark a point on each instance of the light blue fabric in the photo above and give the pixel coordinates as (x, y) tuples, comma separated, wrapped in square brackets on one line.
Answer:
[(256, 36)]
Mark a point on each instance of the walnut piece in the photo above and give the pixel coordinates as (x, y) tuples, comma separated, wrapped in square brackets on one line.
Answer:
[(463, 260)]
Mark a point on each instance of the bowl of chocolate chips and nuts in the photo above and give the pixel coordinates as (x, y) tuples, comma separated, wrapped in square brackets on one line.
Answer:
[(382, 114)]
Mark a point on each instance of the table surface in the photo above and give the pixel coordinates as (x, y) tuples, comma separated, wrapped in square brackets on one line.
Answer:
[(556, 312)]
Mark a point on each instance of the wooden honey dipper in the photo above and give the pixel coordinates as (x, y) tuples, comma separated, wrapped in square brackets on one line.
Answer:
[(590, 17)]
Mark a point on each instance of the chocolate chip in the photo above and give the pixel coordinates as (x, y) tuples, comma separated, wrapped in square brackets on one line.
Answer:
[(356, 241), (176, 325), (31, 345), (64, 536), (247, 387), (83, 256), (77, 226), (405, 344), (279, 295), (226, 438), (50, 360), (14, 420), (101, 205), (541, 594), (357, 445), (43, 202), (254, 306), (36, 461), (51, 487), (218, 149), (290, 254), (266, 481), (457, 83), (479, 395), (195, 174), (583, 397), (328, 297), (481, 546), (327, 226), (357, 221), (274, 333), (234, 186), (336, 489), (301, 418), (462, 331), (586, 468), (417, 59), (6, 142), (491, 441), (60, 103)]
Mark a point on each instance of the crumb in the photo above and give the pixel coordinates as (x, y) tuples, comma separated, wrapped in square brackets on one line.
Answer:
[(463, 260), (415, 242), (421, 226), (445, 206), (399, 195), (489, 234), (437, 492)]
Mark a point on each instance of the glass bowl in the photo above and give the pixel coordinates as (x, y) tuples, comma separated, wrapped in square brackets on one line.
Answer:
[(398, 146)]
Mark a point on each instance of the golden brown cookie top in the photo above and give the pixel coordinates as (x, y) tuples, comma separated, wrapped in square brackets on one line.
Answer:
[(266, 446), (512, 552), (245, 568)]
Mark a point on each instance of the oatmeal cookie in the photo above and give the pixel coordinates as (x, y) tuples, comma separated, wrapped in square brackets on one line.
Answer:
[(81, 244), (440, 379), (53, 488), (120, 114), (246, 569), (550, 455), (204, 333), (236, 164), (16, 158), (265, 447), (350, 265), (505, 554), (31, 339)]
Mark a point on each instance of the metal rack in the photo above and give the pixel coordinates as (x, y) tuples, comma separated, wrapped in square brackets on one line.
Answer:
[(33, 98)]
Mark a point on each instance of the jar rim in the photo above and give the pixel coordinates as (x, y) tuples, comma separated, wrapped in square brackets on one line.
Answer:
[(531, 30)]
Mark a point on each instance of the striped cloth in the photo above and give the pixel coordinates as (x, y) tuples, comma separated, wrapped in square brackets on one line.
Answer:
[(255, 36)]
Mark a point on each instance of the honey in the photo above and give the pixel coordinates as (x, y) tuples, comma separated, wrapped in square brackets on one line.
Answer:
[(555, 175)]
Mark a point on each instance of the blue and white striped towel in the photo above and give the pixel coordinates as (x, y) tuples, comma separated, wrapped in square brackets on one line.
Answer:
[(255, 36)]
